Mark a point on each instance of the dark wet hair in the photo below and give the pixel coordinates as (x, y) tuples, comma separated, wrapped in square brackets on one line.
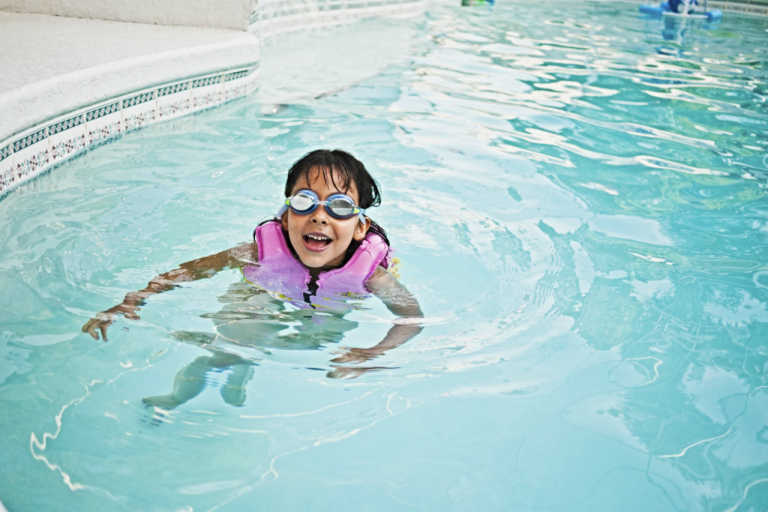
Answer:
[(340, 169), (348, 170)]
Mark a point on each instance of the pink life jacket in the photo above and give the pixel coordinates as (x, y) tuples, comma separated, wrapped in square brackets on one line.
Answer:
[(287, 279)]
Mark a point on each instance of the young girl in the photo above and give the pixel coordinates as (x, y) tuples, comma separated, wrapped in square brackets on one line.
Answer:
[(320, 251)]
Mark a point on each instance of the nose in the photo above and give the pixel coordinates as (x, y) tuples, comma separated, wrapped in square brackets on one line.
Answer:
[(320, 216)]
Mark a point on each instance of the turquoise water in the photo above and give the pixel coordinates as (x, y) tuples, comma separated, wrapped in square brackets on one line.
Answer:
[(578, 199)]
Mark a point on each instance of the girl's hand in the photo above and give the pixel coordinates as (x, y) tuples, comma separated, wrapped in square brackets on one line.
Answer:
[(104, 319), (357, 355), (101, 321), (408, 324), (200, 268), (347, 372)]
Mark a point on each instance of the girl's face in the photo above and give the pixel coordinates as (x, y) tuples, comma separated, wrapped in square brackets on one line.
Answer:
[(320, 240)]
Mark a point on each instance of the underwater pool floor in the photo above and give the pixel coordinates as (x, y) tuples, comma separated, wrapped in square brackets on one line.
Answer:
[(578, 200)]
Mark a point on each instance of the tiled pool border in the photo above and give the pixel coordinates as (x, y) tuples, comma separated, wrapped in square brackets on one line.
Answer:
[(273, 17), (43, 146), (753, 7)]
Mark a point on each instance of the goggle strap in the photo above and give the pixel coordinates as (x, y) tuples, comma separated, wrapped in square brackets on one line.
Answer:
[(282, 210)]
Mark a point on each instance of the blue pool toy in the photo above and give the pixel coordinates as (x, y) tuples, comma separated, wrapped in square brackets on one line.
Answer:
[(655, 10), (477, 2), (714, 14), (677, 8)]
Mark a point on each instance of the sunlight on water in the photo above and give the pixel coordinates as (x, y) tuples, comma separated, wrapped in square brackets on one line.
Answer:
[(578, 199)]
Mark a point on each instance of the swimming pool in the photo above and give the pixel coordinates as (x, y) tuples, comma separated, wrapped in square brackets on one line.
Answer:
[(578, 199)]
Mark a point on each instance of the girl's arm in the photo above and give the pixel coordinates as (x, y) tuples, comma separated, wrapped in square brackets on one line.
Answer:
[(200, 268), (400, 302)]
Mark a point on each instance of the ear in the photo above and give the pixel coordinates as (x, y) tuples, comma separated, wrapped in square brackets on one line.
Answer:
[(284, 220), (361, 230)]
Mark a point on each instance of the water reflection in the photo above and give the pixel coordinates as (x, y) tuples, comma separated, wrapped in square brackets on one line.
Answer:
[(582, 199)]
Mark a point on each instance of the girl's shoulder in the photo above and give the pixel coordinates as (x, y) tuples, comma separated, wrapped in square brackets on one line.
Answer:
[(245, 253), (382, 279)]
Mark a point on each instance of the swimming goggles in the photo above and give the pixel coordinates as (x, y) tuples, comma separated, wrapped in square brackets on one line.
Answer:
[(338, 206)]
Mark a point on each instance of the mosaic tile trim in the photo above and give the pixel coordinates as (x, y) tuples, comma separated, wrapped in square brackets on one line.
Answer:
[(235, 76), (174, 107), (30, 139), (172, 89), (65, 125), (65, 147), (273, 17), (47, 145), (33, 164), (101, 112), (211, 80), (6, 179), (138, 100), (206, 99), (102, 135), (136, 117)]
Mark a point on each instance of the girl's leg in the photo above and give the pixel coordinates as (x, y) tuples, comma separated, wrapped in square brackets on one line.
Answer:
[(191, 380), (187, 384), (233, 391)]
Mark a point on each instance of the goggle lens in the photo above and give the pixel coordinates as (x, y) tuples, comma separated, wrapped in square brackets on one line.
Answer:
[(302, 202), (341, 207)]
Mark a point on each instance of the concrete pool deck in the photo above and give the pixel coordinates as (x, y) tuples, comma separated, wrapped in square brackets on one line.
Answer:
[(53, 64)]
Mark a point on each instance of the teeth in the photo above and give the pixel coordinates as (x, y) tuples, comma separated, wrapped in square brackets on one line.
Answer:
[(316, 237)]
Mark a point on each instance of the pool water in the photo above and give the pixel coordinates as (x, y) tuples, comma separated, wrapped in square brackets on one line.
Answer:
[(578, 197)]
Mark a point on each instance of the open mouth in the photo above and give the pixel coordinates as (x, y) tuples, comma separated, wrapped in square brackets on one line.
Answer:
[(316, 241)]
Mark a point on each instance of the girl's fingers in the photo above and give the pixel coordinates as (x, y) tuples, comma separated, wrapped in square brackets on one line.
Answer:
[(96, 323), (89, 328)]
